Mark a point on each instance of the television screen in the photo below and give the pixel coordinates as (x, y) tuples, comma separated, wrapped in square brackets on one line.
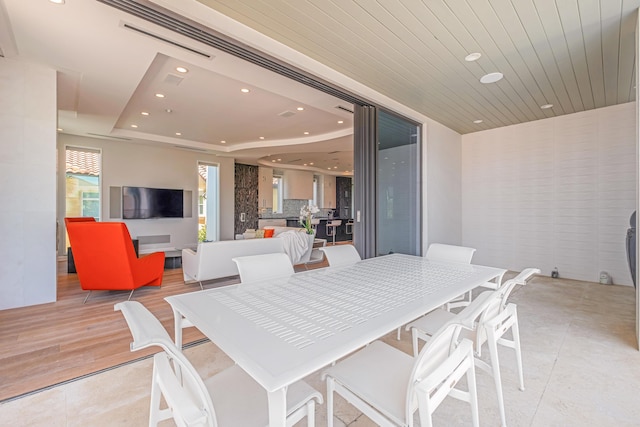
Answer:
[(143, 203)]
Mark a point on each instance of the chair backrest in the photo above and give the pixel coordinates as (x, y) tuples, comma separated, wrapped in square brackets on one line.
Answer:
[(449, 253), (431, 357), (103, 253), (341, 255), (520, 279), (261, 267), (180, 384)]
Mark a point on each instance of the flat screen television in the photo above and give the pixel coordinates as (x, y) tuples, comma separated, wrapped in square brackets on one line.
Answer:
[(144, 203)]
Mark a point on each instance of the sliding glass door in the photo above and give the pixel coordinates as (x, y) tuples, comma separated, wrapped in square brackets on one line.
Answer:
[(398, 192)]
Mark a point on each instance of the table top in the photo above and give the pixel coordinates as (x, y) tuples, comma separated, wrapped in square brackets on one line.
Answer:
[(281, 330)]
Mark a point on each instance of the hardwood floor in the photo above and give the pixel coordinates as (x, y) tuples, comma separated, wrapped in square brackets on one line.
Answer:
[(51, 343)]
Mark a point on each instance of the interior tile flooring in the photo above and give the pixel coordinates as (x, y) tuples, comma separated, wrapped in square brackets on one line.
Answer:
[(582, 368)]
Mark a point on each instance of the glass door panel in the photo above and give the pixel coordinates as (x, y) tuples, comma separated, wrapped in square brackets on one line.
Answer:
[(398, 186)]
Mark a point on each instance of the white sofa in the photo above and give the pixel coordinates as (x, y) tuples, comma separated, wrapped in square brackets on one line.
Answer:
[(213, 260)]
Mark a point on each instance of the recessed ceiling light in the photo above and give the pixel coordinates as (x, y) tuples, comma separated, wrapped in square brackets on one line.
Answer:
[(491, 77), (57, 1), (473, 57), (273, 160), (304, 164), (262, 137), (546, 106), (477, 121), (311, 163), (340, 122), (169, 110), (300, 108), (244, 90), (328, 169), (306, 133), (159, 95), (144, 113), (178, 133), (335, 167), (182, 70), (60, 129), (279, 160), (134, 126), (223, 142)]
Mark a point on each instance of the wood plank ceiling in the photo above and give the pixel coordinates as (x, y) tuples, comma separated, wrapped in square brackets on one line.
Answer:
[(575, 54)]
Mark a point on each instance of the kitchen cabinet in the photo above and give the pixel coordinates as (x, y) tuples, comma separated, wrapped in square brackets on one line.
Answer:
[(298, 184), (265, 188)]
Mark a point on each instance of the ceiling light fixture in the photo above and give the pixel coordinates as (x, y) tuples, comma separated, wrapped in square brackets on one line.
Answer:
[(223, 142), (306, 133), (491, 78), (340, 122), (178, 134), (182, 70), (159, 95), (546, 106), (477, 121), (473, 57), (60, 129), (300, 108), (144, 113), (134, 126), (57, 1), (244, 90), (311, 163), (262, 137)]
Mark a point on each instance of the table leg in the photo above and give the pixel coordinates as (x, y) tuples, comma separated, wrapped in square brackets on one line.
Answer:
[(278, 408), (177, 324)]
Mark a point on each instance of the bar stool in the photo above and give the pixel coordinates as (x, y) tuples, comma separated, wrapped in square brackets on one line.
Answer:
[(331, 228)]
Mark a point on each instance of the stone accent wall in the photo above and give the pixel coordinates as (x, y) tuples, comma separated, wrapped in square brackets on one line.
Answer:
[(246, 197)]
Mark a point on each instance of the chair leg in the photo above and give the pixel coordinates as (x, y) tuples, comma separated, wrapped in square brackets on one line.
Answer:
[(311, 413), (473, 395), (130, 295), (414, 338), (398, 334), (201, 287), (86, 298), (330, 388), (516, 344), (495, 367)]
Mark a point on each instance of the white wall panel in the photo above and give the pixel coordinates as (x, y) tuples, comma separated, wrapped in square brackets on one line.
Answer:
[(552, 193), (27, 184)]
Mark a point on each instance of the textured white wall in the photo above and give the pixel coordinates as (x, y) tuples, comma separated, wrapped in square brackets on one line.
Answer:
[(128, 164), (27, 184), (553, 193), (443, 189)]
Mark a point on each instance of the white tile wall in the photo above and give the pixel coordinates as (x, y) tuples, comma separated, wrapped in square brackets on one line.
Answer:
[(552, 193)]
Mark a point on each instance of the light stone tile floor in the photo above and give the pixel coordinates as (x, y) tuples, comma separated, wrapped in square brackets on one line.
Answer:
[(582, 368)]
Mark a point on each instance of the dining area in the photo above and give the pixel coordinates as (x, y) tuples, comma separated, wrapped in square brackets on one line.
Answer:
[(280, 327)]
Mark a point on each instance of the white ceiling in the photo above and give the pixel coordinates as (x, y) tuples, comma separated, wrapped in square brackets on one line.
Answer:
[(574, 54), (108, 74)]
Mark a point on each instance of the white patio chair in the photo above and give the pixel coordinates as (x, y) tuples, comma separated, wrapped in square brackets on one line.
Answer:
[(486, 320), (389, 386), (452, 253), (265, 266), (341, 255), (449, 253), (229, 398)]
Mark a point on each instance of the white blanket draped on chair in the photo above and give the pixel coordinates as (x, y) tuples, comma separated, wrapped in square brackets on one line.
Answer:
[(296, 244)]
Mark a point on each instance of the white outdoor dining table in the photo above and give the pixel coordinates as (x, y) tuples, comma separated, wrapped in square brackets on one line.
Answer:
[(281, 330)]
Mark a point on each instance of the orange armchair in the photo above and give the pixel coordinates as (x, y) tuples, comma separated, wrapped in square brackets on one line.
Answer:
[(105, 258)]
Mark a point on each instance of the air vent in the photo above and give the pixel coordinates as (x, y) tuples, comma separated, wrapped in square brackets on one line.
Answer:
[(183, 147), (287, 114), (340, 107), (166, 40), (109, 136), (173, 79)]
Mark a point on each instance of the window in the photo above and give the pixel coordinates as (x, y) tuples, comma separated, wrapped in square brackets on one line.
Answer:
[(82, 176), (278, 193), (91, 204)]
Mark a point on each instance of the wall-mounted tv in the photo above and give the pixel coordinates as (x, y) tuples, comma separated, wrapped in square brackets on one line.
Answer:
[(144, 203)]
